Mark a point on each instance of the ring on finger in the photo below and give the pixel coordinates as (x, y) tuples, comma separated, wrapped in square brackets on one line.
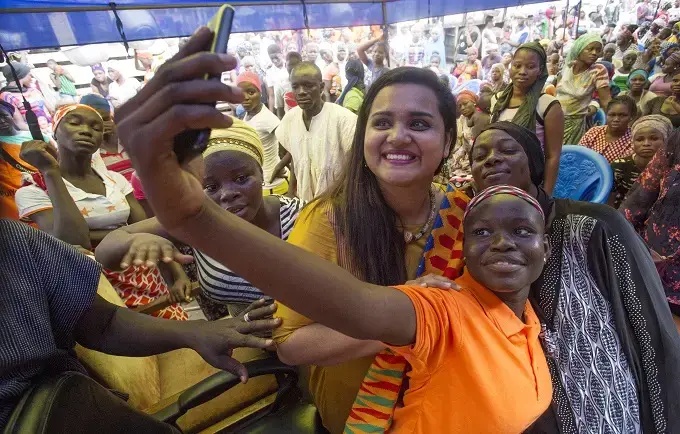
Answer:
[(246, 317)]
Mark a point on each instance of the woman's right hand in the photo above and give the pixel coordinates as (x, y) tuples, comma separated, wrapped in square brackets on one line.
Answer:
[(148, 249), (40, 155)]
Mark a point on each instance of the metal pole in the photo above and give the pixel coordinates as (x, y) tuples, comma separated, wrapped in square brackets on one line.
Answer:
[(386, 33), (142, 6), (578, 18), (564, 27), (657, 9)]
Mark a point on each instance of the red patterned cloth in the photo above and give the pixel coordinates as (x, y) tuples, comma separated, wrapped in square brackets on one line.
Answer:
[(596, 139), (138, 286)]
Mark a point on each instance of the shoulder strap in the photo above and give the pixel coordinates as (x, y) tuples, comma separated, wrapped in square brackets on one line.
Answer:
[(13, 162)]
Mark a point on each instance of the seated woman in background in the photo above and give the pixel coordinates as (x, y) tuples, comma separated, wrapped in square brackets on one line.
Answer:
[(100, 82), (80, 202), (620, 78), (649, 134), (668, 106), (637, 83), (525, 103), (613, 141), (112, 153), (653, 207), (232, 179), (661, 82), (496, 78), (353, 94)]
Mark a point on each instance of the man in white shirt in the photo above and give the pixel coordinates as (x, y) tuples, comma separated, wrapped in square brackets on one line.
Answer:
[(674, 12), (285, 99), (317, 135), (275, 74)]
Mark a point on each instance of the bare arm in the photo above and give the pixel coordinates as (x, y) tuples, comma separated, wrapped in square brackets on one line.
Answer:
[(554, 136), (116, 244), (310, 285), (270, 95), (55, 80), (137, 213), (362, 48), (318, 345), (19, 121), (64, 221), (292, 184), (605, 96), (285, 162), (94, 90), (114, 330), (69, 76)]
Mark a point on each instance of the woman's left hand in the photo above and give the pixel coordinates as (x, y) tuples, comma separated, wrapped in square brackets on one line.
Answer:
[(434, 281), (177, 99), (180, 292)]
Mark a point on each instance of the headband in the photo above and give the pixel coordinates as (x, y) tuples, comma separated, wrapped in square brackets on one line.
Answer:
[(502, 189), (467, 95), (657, 122), (62, 111), (249, 77), (641, 72), (239, 137)]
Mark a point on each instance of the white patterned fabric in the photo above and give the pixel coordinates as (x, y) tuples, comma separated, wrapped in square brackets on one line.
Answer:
[(598, 383)]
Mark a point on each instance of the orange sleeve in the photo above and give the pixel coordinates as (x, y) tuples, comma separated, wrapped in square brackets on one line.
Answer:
[(438, 327), (314, 233)]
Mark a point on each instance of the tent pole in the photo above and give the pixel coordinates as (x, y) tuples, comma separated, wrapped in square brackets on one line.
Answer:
[(564, 27), (386, 32), (578, 18), (205, 4)]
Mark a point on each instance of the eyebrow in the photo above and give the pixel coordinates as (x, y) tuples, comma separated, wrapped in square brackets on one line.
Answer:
[(412, 114)]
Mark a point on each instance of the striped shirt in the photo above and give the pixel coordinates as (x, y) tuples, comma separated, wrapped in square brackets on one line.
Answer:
[(67, 86), (46, 286), (219, 284)]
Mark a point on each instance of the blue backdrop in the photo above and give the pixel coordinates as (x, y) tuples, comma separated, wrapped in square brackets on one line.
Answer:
[(42, 23)]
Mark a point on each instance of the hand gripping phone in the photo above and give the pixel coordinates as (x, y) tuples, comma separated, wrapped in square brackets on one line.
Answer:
[(191, 143)]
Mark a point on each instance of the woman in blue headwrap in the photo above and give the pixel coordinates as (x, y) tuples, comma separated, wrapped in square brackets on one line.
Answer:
[(637, 82), (581, 77), (353, 94)]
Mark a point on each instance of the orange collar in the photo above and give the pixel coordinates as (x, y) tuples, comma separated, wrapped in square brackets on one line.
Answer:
[(502, 316)]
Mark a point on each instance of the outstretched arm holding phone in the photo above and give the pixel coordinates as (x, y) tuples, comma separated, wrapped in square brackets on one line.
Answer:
[(177, 99)]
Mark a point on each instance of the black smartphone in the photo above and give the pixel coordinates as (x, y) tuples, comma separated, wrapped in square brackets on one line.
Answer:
[(191, 143)]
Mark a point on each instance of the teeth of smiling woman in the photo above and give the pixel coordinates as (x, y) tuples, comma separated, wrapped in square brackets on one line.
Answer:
[(401, 157)]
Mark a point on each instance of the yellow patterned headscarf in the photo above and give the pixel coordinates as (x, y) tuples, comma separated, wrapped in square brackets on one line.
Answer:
[(239, 137)]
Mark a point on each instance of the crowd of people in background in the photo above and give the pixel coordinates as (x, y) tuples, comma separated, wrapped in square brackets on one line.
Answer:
[(368, 148)]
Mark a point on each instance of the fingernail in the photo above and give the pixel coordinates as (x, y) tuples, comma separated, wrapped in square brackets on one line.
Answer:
[(448, 285), (124, 265), (244, 379), (269, 342)]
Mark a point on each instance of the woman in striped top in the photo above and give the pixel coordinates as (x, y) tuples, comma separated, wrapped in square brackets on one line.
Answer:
[(233, 179)]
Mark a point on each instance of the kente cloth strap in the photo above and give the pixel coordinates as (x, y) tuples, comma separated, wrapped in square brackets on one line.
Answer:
[(374, 405), (503, 189)]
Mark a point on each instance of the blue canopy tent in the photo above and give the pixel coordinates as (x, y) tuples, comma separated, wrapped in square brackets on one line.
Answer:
[(51, 23)]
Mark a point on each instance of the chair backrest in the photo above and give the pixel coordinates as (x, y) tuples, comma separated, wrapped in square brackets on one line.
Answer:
[(584, 175), (74, 403)]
